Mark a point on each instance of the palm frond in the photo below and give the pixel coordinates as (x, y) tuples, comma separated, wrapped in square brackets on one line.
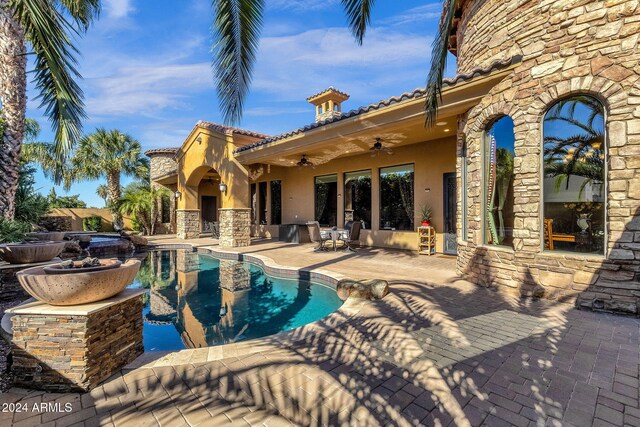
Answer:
[(438, 62), (237, 29), (53, 167), (359, 16), (83, 12), (47, 31)]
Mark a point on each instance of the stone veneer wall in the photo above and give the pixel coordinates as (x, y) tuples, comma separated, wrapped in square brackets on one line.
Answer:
[(187, 223), (568, 47), (63, 353), (162, 164), (235, 227)]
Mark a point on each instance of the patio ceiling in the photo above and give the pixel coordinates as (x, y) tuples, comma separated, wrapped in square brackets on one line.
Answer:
[(398, 124)]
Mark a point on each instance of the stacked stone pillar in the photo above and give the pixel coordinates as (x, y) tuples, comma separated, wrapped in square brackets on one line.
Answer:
[(235, 227), (188, 223), (74, 348)]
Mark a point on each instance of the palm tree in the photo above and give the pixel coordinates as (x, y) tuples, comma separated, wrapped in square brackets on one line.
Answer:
[(44, 28), (102, 154), (140, 200), (103, 192), (237, 29)]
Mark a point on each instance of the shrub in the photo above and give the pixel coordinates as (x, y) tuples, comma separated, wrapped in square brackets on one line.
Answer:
[(92, 223), (13, 231)]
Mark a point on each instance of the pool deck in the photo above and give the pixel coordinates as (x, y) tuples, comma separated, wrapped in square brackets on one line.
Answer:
[(436, 351)]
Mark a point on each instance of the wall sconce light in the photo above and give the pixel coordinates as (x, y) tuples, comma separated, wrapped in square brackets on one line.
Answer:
[(199, 140), (427, 190), (177, 194), (223, 187)]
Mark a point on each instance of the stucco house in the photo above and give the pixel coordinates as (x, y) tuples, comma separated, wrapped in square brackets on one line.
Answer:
[(532, 168)]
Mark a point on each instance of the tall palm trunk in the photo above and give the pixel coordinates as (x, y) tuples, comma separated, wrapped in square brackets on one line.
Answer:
[(13, 97), (113, 187)]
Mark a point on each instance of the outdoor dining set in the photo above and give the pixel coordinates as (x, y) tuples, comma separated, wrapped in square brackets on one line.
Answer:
[(346, 237)]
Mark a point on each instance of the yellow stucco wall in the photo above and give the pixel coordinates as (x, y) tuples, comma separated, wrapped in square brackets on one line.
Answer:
[(196, 158), (431, 161), (78, 214)]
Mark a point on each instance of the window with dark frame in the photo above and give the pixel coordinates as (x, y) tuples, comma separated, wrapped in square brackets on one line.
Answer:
[(397, 197), (357, 197), (276, 202), (262, 203), (326, 200), (499, 155), (574, 186), (165, 204)]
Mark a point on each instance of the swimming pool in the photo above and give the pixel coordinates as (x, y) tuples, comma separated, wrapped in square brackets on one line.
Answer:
[(196, 300)]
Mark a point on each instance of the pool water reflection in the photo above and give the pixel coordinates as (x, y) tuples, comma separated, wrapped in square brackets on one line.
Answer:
[(196, 300)]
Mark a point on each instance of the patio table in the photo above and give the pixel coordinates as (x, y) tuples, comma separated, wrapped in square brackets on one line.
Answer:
[(335, 235)]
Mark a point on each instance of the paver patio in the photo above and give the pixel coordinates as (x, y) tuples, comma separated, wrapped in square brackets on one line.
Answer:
[(436, 351)]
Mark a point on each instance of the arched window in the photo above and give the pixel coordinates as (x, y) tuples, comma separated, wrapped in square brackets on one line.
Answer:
[(575, 159), (498, 182)]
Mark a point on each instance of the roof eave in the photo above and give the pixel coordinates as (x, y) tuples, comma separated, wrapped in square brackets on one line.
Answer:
[(453, 91)]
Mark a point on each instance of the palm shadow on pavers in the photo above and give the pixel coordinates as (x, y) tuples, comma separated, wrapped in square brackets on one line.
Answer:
[(425, 354)]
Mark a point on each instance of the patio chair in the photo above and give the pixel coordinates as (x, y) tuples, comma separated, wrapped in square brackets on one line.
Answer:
[(316, 236), (354, 236), (550, 236)]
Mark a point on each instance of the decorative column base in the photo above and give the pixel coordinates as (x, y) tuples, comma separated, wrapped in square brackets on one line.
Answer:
[(187, 223), (235, 227), (74, 348)]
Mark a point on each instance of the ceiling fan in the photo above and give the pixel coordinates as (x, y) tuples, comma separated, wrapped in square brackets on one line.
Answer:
[(378, 147), (305, 162)]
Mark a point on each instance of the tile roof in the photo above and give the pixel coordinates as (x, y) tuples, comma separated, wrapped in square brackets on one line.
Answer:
[(229, 129), (330, 88), (211, 126), (154, 151), (497, 65)]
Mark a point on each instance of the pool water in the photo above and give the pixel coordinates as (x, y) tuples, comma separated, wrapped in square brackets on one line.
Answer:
[(196, 300)]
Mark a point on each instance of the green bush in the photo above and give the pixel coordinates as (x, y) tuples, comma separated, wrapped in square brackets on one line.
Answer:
[(13, 231), (92, 223)]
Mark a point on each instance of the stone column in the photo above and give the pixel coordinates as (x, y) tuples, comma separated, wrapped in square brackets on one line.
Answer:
[(187, 223), (74, 348), (235, 226), (234, 275)]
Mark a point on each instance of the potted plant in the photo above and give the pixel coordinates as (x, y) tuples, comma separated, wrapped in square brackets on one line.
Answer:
[(426, 213)]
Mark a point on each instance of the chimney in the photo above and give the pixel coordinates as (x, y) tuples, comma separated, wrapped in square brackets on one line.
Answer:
[(327, 103)]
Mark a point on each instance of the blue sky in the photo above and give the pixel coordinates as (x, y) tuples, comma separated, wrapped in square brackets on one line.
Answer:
[(146, 67)]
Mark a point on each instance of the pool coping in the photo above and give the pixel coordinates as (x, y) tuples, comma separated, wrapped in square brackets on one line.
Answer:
[(349, 308)]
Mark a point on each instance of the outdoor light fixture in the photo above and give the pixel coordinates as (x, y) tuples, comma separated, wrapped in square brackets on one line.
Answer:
[(199, 139), (223, 187), (177, 194)]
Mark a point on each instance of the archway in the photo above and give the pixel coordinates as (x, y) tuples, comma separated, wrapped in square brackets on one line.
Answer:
[(207, 169)]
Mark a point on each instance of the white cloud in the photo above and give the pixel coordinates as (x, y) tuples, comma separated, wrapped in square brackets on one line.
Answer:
[(291, 67), (420, 14), (143, 89), (118, 8)]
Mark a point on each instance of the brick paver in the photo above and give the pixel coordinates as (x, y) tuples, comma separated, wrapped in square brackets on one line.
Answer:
[(428, 354)]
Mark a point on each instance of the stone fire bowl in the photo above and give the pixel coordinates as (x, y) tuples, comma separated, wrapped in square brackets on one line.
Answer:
[(27, 253), (77, 288), (52, 236)]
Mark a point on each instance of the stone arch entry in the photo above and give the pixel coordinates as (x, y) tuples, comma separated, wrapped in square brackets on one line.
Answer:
[(202, 152)]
